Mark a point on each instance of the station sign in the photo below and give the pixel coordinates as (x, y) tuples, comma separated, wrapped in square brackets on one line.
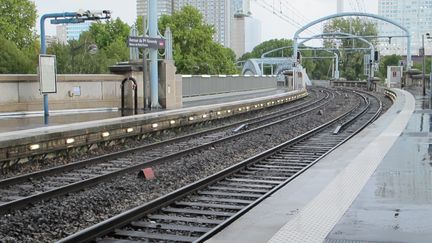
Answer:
[(47, 74), (146, 42)]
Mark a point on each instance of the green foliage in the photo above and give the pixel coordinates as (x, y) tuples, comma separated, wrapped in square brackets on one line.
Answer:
[(315, 71), (17, 20), (318, 69), (268, 46), (106, 33), (14, 60), (392, 60), (110, 39), (18, 48), (195, 52), (139, 25), (352, 62)]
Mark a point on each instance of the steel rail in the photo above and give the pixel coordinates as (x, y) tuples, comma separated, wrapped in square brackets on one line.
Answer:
[(94, 180), (125, 218)]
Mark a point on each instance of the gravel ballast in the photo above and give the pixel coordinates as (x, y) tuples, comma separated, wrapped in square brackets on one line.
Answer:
[(61, 216)]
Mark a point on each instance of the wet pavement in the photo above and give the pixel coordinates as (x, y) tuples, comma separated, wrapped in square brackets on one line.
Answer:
[(15, 122), (396, 203)]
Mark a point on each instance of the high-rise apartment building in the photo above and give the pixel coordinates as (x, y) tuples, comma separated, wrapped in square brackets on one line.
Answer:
[(164, 7), (245, 30), (216, 13), (340, 6), (61, 34), (230, 18), (415, 15), (67, 32)]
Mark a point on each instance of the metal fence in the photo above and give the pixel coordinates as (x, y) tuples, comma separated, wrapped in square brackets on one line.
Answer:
[(207, 85)]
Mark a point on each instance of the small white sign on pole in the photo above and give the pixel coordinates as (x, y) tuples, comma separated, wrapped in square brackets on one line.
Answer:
[(47, 74)]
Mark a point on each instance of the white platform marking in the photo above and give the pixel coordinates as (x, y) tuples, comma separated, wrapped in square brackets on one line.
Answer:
[(317, 219)]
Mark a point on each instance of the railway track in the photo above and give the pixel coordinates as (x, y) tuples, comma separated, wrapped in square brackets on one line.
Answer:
[(19, 191), (198, 211)]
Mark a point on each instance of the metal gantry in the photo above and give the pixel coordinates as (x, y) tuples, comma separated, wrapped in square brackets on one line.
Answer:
[(354, 14), (66, 18)]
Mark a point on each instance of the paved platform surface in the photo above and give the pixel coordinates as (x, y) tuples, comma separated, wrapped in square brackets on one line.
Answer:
[(396, 203), (16, 121), (308, 208)]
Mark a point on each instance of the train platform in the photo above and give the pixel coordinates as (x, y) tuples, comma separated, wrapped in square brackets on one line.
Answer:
[(26, 135), (15, 121), (377, 187)]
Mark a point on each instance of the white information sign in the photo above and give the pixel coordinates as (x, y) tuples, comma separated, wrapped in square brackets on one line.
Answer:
[(47, 74)]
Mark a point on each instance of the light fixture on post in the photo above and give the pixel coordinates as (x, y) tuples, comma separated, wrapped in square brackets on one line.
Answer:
[(422, 53), (428, 36), (66, 18)]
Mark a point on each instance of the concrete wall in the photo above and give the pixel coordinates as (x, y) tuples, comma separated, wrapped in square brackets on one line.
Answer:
[(207, 85), (21, 92)]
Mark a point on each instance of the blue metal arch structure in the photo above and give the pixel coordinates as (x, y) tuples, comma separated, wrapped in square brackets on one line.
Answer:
[(355, 14), (254, 66), (340, 34)]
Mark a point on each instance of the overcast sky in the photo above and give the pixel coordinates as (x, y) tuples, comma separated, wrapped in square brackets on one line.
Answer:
[(272, 26)]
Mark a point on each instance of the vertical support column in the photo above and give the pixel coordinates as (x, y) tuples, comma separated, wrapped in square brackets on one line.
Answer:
[(423, 66), (43, 51), (144, 50), (408, 51), (169, 44), (153, 55), (336, 66), (295, 49)]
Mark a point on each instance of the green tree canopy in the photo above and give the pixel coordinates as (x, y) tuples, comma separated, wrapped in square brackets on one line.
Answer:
[(17, 20), (392, 60), (195, 52), (106, 33), (352, 61), (268, 46), (14, 60), (109, 37)]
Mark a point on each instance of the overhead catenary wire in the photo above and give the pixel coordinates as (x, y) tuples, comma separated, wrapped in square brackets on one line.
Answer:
[(271, 8), (294, 11)]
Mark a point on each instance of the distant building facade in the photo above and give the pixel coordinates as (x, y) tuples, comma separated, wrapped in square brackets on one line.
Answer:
[(416, 16), (340, 6), (245, 31), (61, 34), (68, 32), (73, 31), (231, 20), (164, 7)]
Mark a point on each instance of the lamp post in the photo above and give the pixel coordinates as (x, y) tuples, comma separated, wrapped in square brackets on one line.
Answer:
[(428, 36), (422, 52), (66, 18)]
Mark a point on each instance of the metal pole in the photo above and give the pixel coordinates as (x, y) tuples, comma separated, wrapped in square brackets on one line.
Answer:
[(333, 71), (372, 70), (153, 55), (43, 51), (409, 52), (295, 49), (169, 44), (423, 67), (145, 96), (336, 66), (430, 79)]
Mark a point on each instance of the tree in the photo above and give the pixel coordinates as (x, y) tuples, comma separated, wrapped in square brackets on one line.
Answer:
[(106, 33), (13, 60), (110, 39), (268, 46), (17, 20), (63, 57), (352, 62), (195, 52), (392, 60)]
